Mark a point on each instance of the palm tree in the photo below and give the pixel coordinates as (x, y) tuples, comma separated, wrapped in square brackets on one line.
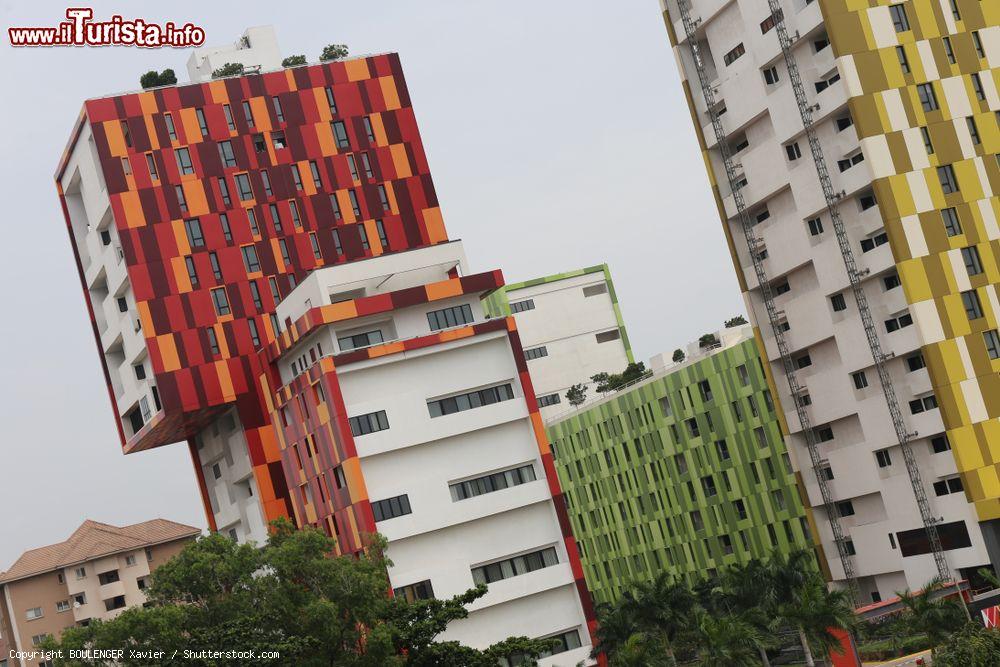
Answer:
[(746, 589), (814, 612), (726, 640), (664, 607), (642, 649), (938, 617)]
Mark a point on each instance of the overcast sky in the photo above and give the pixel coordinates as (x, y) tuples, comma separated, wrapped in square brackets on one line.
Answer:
[(557, 136)]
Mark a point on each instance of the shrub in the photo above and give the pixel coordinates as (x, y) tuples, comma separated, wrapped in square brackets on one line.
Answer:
[(152, 78), (576, 394), (292, 61), (678, 355), (880, 650), (229, 69), (735, 321), (972, 646), (333, 52), (708, 340)]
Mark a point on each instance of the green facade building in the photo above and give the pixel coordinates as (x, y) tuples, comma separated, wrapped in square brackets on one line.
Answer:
[(686, 472)]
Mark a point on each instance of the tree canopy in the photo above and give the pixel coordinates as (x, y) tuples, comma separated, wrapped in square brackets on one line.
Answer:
[(229, 69), (152, 78), (333, 52), (295, 600), (614, 381)]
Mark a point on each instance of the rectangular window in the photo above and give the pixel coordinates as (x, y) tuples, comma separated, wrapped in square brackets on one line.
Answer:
[(948, 50), (254, 334), (970, 256), (845, 508), (229, 117), (255, 296), (202, 124), (450, 317), (367, 166), (369, 132), (904, 62), (973, 307), (227, 233), (978, 43), (383, 198), (838, 302), (977, 86), (815, 226), (277, 109), (252, 221), (250, 258), (521, 306), (340, 134), (331, 101), (860, 380), (151, 164), (391, 507), (369, 423), (224, 191), (382, 238), (213, 259), (928, 100), (247, 113), (33, 613), (992, 340), (734, 54), (221, 301), (297, 177), (183, 156), (771, 75), (547, 400), (194, 234), (243, 187), (171, 131), (106, 578), (365, 339), (899, 19), (793, 152), (355, 206), (940, 444), (607, 336), (493, 482), (973, 130), (227, 154), (314, 170), (869, 244), (470, 400), (283, 246), (419, 591), (314, 243), (126, 166), (919, 405), (951, 224), (515, 566), (536, 353), (339, 249), (915, 362), (767, 24), (213, 342), (275, 217), (352, 165), (363, 235)]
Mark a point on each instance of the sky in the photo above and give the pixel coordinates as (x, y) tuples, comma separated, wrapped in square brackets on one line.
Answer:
[(557, 136)]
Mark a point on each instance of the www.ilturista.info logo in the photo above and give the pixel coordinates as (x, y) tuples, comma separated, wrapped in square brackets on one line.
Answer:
[(81, 30)]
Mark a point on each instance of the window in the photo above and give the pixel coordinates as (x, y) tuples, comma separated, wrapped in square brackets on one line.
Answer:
[(883, 458), (521, 306), (945, 487), (252, 220), (278, 140), (227, 233), (419, 591), (869, 244), (891, 281), (803, 362), (355, 341), (331, 101), (243, 187), (369, 423), (339, 249), (254, 333), (767, 24), (708, 486), (80, 572), (229, 117), (314, 244), (223, 189), (970, 256), (826, 472), (867, 201), (547, 400), (849, 162), (335, 204), (992, 340), (608, 336), (297, 177), (247, 113), (276, 103), (940, 444), (793, 152), (740, 143), (815, 226), (340, 134), (194, 233), (692, 427), (973, 307), (845, 508), (62, 605), (367, 166), (355, 206), (255, 295), (948, 50), (946, 175), (782, 288), (369, 132), (314, 170), (978, 43), (951, 224), (705, 389), (928, 100), (184, 161), (860, 380), (227, 154), (142, 582), (493, 482), (126, 166), (517, 565), (213, 259), (140, 373), (826, 83), (838, 303), (899, 19), (722, 449), (275, 217), (382, 238), (391, 507), (973, 130), (151, 164), (33, 613), (924, 404), (824, 434), (129, 560), (450, 317), (171, 131), (915, 362), (743, 374), (213, 343), (844, 122), (762, 216), (771, 75), (383, 198), (106, 578), (977, 87), (536, 353), (221, 301), (904, 62), (928, 144), (734, 54), (954, 10), (250, 258), (470, 400), (898, 322), (117, 602), (283, 247)]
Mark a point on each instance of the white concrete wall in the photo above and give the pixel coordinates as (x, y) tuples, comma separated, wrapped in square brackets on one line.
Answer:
[(566, 322), (769, 118), (257, 47)]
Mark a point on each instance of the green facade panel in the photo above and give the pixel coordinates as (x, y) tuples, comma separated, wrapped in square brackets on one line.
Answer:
[(686, 472), (497, 303)]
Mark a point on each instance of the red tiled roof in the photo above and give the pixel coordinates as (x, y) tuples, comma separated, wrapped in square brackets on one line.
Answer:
[(95, 540)]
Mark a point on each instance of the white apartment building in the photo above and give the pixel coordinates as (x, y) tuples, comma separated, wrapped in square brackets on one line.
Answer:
[(860, 457), (448, 453), (571, 328)]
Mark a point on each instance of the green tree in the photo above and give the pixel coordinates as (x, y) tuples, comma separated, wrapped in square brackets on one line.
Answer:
[(614, 381), (735, 321), (654, 616), (726, 640), (928, 613), (293, 598), (708, 340), (577, 394), (292, 61), (333, 52), (678, 355), (972, 646), (746, 589), (229, 69), (152, 78)]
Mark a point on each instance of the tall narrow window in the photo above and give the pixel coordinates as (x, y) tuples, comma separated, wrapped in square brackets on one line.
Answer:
[(314, 242), (948, 50), (213, 342), (126, 135), (331, 101), (973, 307), (297, 177), (367, 165), (340, 134), (368, 129), (224, 191), (977, 87), (946, 175), (254, 334), (928, 144), (213, 259), (992, 340), (181, 199), (194, 234), (382, 238), (973, 130), (296, 219), (227, 154), (355, 206), (184, 161), (171, 132), (928, 100), (221, 301), (284, 251), (229, 117), (352, 165), (904, 62), (275, 217), (126, 166), (335, 204), (243, 187), (314, 168), (252, 221), (192, 271), (250, 258), (363, 233), (151, 163), (247, 113), (970, 257), (277, 109), (266, 178), (227, 233), (978, 43), (255, 295), (899, 19), (383, 197), (951, 223)]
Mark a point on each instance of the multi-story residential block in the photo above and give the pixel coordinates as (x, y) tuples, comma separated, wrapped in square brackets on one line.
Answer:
[(95, 574), (571, 327), (684, 472), (852, 153), (196, 210)]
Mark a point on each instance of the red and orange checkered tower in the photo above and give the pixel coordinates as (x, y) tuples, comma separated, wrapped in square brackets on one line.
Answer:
[(194, 210)]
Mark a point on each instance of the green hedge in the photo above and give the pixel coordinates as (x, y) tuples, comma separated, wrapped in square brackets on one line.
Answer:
[(882, 649)]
